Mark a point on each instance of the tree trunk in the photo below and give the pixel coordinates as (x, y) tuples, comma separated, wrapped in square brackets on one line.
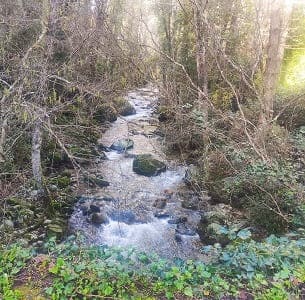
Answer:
[(36, 153), (275, 52), (202, 76), (101, 8), (3, 139)]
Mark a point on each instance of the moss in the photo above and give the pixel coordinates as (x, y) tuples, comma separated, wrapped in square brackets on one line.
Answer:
[(66, 173), (164, 114), (119, 102), (123, 106), (146, 165), (27, 292), (63, 181), (105, 113)]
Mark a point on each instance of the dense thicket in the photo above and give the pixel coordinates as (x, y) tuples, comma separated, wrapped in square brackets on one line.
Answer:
[(234, 92)]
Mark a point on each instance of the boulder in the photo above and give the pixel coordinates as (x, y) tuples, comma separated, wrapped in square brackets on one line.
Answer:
[(178, 238), (105, 113), (127, 110), (94, 208), (178, 220), (183, 229), (220, 214), (190, 204), (99, 218), (96, 181), (85, 208), (122, 145), (124, 107), (214, 234), (146, 165)]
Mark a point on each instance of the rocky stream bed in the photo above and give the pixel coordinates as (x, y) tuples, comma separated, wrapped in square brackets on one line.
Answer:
[(142, 200)]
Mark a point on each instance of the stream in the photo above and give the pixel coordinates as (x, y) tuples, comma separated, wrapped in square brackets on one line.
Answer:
[(139, 211)]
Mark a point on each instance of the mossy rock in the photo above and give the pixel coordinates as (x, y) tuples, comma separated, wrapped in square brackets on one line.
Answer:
[(122, 145), (61, 181), (146, 165), (99, 218), (190, 204), (221, 214), (212, 233), (83, 152), (124, 107), (105, 113), (164, 114), (216, 235), (67, 173), (96, 181)]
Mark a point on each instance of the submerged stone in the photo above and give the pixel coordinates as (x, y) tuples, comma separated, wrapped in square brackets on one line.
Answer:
[(127, 217), (162, 215), (160, 203), (178, 220), (102, 147), (122, 145), (94, 208), (146, 165)]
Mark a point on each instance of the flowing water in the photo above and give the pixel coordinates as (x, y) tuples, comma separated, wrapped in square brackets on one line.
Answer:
[(130, 200)]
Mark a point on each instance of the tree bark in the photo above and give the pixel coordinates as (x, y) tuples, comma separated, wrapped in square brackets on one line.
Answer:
[(202, 75), (275, 52), (36, 153), (3, 139)]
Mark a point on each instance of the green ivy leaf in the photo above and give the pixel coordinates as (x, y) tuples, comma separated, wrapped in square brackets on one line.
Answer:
[(188, 292), (244, 234)]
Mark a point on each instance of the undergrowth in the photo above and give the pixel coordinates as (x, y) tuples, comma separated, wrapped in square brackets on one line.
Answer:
[(271, 269)]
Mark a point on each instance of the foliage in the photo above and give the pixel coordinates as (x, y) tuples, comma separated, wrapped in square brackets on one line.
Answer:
[(271, 192), (274, 256), (271, 269), (12, 261)]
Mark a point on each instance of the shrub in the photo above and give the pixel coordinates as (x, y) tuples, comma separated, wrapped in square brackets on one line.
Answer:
[(271, 194)]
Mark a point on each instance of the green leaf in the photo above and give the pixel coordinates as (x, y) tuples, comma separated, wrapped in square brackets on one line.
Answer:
[(188, 291), (244, 234), (108, 290)]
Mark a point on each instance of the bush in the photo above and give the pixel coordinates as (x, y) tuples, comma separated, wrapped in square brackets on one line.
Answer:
[(271, 194), (293, 116)]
